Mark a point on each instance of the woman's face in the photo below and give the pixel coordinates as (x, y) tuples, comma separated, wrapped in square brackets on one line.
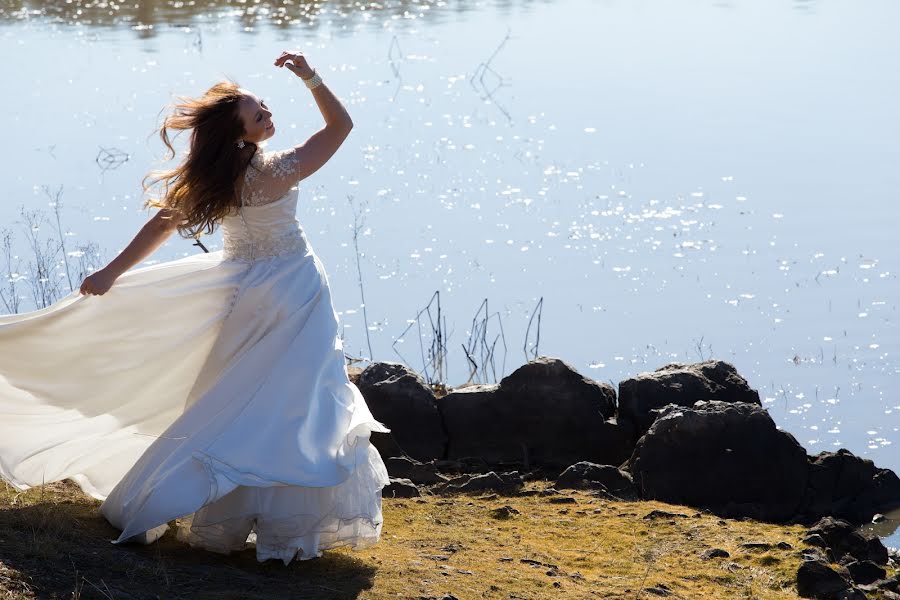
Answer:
[(256, 117)]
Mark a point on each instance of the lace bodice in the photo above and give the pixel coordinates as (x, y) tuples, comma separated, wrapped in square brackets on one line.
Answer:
[(269, 176), (266, 225)]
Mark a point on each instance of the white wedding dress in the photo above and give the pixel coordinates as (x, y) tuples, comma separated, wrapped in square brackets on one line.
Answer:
[(211, 389)]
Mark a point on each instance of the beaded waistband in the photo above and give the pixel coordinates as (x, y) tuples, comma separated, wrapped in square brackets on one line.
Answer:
[(249, 249)]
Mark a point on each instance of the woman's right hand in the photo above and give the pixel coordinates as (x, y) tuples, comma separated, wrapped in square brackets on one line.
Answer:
[(297, 64), (98, 283)]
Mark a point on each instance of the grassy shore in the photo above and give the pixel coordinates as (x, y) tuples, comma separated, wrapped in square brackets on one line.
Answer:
[(54, 544)]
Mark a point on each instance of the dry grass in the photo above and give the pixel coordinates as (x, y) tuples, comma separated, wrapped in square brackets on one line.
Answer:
[(54, 544)]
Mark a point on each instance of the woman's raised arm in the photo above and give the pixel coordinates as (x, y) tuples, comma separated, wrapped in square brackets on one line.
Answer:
[(305, 159)]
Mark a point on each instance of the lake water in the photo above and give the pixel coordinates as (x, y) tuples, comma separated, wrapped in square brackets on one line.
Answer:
[(663, 181)]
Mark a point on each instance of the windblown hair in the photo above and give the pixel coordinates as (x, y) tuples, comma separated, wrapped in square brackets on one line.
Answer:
[(200, 191)]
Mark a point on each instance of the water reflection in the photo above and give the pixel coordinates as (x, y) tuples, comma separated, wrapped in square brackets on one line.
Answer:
[(886, 527), (340, 16), (805, 5)]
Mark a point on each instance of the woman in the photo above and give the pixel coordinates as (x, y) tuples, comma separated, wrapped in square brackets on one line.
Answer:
[(210, 389)]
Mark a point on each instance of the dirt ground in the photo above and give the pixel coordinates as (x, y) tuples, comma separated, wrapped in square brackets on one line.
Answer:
[(55, 544)]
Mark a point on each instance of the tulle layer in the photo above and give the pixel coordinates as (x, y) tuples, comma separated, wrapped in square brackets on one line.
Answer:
[(285, 522)]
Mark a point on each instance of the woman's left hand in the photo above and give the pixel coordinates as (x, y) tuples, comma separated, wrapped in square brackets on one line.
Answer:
[(297, 64), (97, 283)]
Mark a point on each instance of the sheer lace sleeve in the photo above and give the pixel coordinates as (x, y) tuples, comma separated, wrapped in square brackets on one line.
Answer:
[(270, 176)]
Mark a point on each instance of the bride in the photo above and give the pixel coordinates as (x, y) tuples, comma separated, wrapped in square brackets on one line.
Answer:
[(209, 391)]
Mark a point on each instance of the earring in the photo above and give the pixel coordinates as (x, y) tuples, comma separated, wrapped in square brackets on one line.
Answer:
[(240, 143)]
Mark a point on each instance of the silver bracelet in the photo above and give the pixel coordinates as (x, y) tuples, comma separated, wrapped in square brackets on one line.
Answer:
[(314, 81)]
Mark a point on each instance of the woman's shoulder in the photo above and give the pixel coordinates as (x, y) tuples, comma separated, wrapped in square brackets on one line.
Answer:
[(259, 158), (280, 164)]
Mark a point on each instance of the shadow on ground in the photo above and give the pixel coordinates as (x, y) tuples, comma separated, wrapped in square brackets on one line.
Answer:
[(61, 548)]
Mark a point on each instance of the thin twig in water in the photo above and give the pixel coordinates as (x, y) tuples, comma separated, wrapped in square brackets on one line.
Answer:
[(392, 61), (484, 68), (44, 287), (700, 348), (434, 359), (358, 222), (111, 158), (478, 341), (538, 310), (88, 259), (11, 272), (57, 206)]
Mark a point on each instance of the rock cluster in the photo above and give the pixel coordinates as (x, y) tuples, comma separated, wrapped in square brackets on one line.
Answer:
[(642, 396), (727, 457), (692, 434), (543, 414), (861, 559)]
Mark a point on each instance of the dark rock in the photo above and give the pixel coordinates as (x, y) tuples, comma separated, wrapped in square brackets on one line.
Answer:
[(562, 500), (727, 457), (539, 475), (400, 488), (814, 539), (658, 591), (504, 512), (588, 475), (436, 557), (813, 554), (756, 545), (601, 492), (544, 413), (448, 466), (877, 552), (504, 483), (891, 584), (400, 399), (548, 377), (458, 480), (537, 563), (464, 464), (714, 553), (815, 579), (405, 467), (842, 539), (853, 593), (682, 385), (784, 545), (662, 514), (865, 571), (844, 485)]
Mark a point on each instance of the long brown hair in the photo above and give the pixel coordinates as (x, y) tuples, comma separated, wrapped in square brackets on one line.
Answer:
[(201, 190)]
